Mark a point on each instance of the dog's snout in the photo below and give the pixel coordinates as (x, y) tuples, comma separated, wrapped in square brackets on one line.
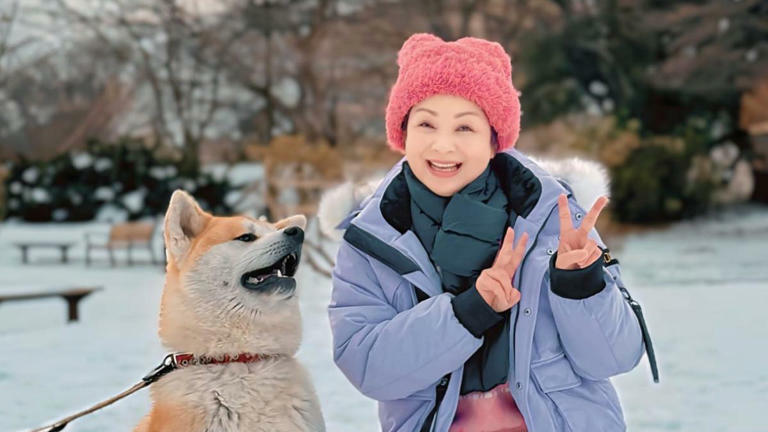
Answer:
[(294, 231)]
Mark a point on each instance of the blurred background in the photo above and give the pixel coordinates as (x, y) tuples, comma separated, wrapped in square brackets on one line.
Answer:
[(259, 107)]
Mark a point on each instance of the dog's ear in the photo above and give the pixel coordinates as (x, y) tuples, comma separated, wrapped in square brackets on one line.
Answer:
[(298, 220), (184, 220)]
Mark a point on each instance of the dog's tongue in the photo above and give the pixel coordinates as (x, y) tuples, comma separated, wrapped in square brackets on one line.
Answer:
[(260, 278)]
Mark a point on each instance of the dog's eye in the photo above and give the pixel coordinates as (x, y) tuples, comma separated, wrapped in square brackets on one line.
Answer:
[(246, 237)]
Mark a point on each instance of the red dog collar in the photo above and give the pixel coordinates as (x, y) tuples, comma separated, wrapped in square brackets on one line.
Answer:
[(179, 360), (187, 359)]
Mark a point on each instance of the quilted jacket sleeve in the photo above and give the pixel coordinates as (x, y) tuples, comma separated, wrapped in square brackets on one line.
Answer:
[(385, 354), (599, 331)]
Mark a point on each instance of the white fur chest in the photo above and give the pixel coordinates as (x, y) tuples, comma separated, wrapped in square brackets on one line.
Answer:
[(270, 395)]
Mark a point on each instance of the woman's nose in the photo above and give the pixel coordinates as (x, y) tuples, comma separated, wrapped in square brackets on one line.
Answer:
[(443, 144)]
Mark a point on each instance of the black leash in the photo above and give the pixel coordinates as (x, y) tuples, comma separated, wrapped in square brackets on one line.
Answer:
[(168, 364)]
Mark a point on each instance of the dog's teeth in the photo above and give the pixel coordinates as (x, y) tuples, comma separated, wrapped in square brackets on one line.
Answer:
[(279, 273)]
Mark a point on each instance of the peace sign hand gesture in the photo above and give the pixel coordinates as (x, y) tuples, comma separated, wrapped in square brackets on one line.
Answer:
[(495, 283), (576, 250)]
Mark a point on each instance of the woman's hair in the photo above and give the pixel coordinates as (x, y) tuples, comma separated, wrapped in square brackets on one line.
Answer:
[(494, 135)]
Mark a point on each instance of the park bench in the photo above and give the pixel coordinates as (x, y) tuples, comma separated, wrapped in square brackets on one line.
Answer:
[(25, 246), (127, 235), (71, 295)]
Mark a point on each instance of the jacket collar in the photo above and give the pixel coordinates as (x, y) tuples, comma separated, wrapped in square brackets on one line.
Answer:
[(386, 215)]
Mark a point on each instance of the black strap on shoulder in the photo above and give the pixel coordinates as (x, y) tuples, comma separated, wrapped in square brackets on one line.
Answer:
[(638, 310), (565, 185), (378, 249)]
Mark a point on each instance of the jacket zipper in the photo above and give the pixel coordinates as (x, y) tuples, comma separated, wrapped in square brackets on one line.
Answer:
[(440, 390)]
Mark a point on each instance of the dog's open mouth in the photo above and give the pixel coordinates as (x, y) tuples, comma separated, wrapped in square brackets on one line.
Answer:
[(284, 268)]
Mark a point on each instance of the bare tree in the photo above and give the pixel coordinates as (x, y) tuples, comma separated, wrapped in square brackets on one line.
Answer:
[(168, 46), (47, 92), (254, 69), (8, 17), (710, 47), (55, 102)]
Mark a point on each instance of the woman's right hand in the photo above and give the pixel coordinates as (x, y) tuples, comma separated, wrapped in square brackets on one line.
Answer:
[(495, 283)]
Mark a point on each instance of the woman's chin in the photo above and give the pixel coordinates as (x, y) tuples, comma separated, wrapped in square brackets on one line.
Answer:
[(442, 190)]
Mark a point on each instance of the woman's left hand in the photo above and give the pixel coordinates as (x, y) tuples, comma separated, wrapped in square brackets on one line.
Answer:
[(576, 250)]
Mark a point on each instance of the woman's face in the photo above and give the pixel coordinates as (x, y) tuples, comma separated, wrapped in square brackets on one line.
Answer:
[(447, 143)]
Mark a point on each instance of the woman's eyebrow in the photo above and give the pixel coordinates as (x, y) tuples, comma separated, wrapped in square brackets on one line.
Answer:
[(456, 116)]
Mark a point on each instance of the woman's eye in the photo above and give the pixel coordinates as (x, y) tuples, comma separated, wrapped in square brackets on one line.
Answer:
[(469, 129), (246, 237)]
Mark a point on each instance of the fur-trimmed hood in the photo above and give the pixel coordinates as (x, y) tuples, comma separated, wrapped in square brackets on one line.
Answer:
[(587, 179)]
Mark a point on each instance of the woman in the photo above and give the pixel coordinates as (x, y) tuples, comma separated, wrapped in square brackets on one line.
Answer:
[(436, 312)]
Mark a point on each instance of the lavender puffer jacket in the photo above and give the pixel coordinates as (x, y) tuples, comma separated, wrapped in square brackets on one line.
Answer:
[(398, 350)]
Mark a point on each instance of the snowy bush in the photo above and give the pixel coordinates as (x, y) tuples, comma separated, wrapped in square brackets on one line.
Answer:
[(125, 180)]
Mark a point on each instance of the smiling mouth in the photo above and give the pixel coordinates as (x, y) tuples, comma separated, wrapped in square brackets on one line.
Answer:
[(444, 166), (282, 269), (444, 169)]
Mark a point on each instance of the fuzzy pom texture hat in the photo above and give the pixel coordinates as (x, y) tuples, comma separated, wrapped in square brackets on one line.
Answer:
[(475, 69)]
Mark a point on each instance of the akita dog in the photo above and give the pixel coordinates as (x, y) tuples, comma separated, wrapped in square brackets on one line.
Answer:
[(230, 304)]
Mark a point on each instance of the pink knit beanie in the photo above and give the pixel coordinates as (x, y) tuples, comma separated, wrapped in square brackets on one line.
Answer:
[(475, 69)]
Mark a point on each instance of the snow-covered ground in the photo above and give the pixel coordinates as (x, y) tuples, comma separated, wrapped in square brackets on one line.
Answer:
[(703, 286)]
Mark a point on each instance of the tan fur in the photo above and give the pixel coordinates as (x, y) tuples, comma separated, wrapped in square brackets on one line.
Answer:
[(206, 311), (167, 416)]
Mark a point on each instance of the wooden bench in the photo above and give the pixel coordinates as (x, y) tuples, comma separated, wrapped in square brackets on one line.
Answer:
[(25, 246), (71, 295), (123, 236)]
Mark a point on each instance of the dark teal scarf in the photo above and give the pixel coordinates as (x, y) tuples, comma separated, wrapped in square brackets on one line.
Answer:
[(462, 234)]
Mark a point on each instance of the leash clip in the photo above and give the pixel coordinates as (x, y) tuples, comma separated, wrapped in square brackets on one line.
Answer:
[(168, 364)]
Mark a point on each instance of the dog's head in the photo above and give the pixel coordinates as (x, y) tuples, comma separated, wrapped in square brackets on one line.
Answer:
[(230, 283)]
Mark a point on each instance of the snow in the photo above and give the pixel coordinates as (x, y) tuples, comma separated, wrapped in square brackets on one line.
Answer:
[(250, 175), (41, 195), (111, 213), (102, 164), (598, 88), (163, 172), (702, 285), (30, 174), (104, 193), (134, 200), (60, 214), (57, 369), (287, 90), (239, 173), (81, 160)]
